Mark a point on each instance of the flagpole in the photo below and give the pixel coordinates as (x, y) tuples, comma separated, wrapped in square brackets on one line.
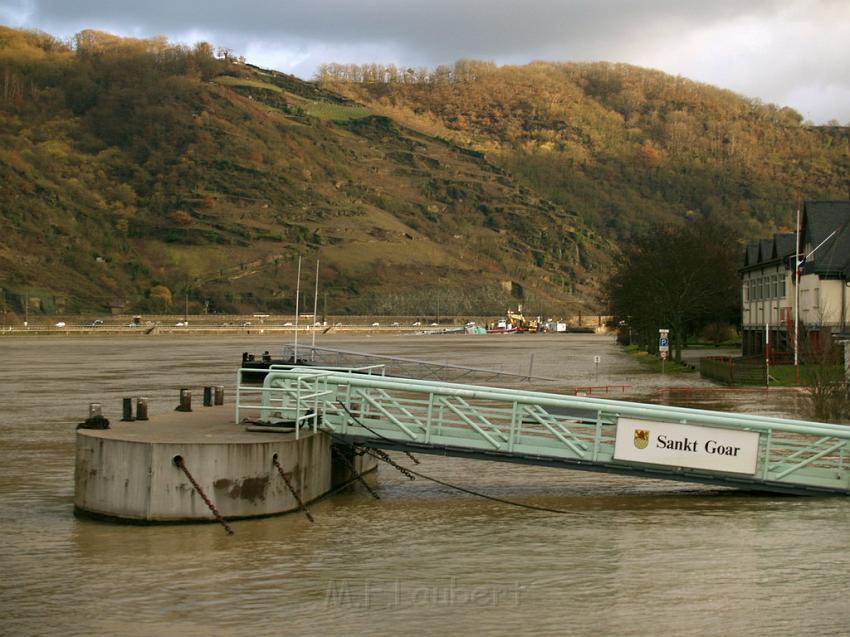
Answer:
[(315, 309), (767, 351), (297, 298), (797, 265)]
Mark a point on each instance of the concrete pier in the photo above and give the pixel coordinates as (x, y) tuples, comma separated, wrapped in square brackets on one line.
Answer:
[(128, 472)]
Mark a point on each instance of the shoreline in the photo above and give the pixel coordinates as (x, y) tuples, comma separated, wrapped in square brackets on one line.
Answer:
[(160, 330)]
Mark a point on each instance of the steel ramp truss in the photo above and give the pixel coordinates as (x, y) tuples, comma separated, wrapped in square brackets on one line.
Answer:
[(514, 425)]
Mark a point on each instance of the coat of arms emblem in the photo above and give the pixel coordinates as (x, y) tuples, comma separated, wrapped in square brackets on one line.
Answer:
[(641, 438)]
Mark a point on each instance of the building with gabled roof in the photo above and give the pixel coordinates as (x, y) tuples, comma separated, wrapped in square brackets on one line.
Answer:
[(768, 281)]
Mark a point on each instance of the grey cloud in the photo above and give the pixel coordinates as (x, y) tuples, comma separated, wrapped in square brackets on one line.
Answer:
[(436, 29)]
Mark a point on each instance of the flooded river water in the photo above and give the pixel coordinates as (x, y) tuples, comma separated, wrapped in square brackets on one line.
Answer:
[(631, 557)]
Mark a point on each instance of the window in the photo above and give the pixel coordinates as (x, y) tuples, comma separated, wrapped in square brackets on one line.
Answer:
[(781, 286), (774, 286)]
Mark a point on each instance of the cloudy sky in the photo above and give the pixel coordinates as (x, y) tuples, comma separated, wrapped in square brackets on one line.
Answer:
[(791, 52)]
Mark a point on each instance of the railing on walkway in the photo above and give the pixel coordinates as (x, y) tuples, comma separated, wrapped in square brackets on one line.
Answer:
[(534, 427), (407, 367)]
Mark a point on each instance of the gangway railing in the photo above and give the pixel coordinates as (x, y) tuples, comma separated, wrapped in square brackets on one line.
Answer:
[(408, 367), (594, 434)]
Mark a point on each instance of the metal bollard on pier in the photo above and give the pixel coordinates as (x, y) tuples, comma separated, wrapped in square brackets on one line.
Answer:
[(185, 400), (141, 409)]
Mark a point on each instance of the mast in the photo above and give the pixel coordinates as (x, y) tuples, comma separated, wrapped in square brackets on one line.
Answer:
[(297, 299), (315, 305), (797, 265)]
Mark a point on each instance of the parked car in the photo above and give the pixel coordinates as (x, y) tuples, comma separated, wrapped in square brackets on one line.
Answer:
[(376, 324), (181, 324), (94, 323), (60, 324), (416, 323), (245, 324)]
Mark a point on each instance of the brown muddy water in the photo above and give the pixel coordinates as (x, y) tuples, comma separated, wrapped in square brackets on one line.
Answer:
[(632, 557)]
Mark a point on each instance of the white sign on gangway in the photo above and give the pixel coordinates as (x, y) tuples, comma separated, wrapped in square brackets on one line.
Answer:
[(675, 445)]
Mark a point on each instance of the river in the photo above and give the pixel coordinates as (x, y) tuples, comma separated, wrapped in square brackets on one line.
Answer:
[(631, 556)]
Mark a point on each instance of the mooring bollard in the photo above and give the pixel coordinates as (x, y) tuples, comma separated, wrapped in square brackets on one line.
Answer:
[(185, 400), (95, 410), (219, 394), (127, 410), (141, 409), (208, 398)]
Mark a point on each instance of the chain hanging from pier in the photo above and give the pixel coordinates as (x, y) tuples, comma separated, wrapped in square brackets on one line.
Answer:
[(353, 470), (178, 462), (291, 487), (411, 474)]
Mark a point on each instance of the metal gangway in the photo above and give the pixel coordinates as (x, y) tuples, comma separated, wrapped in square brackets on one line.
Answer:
[(408, 367), (362, 406)]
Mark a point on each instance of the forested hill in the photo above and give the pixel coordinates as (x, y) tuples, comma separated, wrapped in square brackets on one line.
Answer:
[(624, 146), (135, 172)]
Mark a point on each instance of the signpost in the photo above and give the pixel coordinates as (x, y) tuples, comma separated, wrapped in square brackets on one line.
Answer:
[(663, 346)]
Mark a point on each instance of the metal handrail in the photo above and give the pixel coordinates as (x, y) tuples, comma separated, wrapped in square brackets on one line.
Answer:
[(681, 415), (794, 455)]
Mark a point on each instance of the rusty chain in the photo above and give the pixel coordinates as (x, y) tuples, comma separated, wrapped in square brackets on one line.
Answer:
[(178, 462), (369, 429), (291, 488), (383, 455), (355, 473), (412, 474)]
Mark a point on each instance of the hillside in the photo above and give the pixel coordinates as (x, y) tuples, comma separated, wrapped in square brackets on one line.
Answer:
[(621, 145), (130, 166), (135, 172)]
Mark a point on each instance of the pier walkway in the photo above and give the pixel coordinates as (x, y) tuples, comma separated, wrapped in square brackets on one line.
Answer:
[(585, 433)]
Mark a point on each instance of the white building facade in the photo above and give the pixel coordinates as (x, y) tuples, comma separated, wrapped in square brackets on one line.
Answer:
[(768, 283)]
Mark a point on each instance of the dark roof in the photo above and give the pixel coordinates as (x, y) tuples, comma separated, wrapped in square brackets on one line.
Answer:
[(751, 256), (820, 219), (766, 250), (786, 244), (778, 249)]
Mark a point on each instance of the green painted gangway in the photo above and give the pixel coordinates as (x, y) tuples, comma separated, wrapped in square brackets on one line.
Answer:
[(363, 406)]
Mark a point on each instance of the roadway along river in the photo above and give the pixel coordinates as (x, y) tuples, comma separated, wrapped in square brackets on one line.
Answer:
[(632, 557)]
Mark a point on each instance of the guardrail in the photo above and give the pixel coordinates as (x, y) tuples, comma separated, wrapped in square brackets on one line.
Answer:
[(514, 425), (287, 404), (734, 370)]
